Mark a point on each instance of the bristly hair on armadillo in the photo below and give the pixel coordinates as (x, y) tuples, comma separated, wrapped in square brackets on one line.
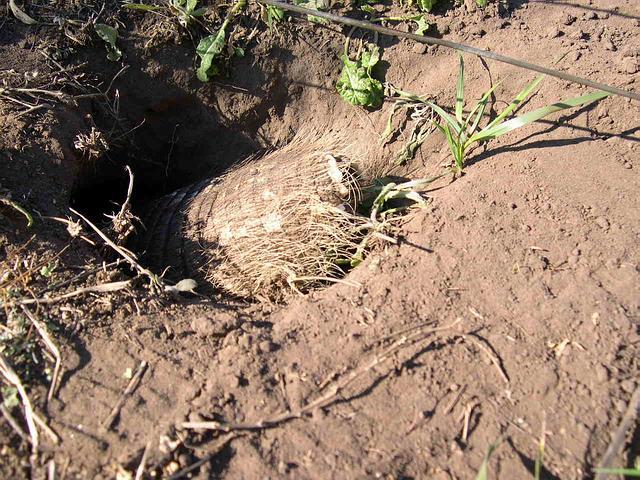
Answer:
[(273, 224)]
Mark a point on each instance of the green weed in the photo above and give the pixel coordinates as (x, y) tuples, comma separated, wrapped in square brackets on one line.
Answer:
[(462, 133), (483, 472), (356, 85), (109, 35), (18, 208)]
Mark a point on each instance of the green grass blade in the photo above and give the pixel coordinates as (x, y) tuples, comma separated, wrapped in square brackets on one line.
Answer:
[(629, 472), (460, 92), (489, 133), (479, 108), (516, 101), (446, 117), (483, 472)]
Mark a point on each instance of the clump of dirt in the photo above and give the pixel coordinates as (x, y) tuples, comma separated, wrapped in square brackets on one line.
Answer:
[(529, 260)]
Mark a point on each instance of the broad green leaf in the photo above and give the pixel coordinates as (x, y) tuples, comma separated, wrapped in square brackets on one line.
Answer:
[(141, 6), (422, 25), (368, 9), (109, 35), (460, 91), (426, 5), (370, 58), (356, 85), (208, 49), (10, 397), (482, 3), (191, 6), (517, 101), (514, 123)]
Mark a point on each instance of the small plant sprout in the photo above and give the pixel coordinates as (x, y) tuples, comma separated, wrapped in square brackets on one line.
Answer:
[(210, 47), (462, 133), (483, 472), (109, 35), (356, 85)]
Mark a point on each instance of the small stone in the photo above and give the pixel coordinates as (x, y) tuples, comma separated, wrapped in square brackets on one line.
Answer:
[(575, 56), (554, 32), (266, 346), (627, 165), (203, 326), (419, 48), (513, 206), (575, 252), (602, 374), (602, 222), (609, 45), (628, 386), (590, 16), (629, 65), (620, 405), (568, 19)]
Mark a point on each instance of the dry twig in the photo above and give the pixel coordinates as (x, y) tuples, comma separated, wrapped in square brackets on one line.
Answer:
[(102, 288), (128, 256), (133, 384), (333, 394), (12, 377), (618, 438), (490, 354), (48, 341)]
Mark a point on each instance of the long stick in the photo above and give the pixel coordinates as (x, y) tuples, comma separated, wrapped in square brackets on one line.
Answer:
[(457, 46)]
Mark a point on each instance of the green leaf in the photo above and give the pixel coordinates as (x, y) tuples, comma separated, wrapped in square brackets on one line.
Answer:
[(426, 5), (274, 15), (10, 397), (356, 85), (460, 91), (526, 91), (482, 3), (629, 472), (483, 472), (141, 6), (208, 49), (446, 117), (370, 58), (109, 35), (422, 25), (368, 9), (510, 125)]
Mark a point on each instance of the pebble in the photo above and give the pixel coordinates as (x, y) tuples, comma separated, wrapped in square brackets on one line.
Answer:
[(554, 32), (568, 19), (602, 374), (575, 56), (628, 386), (621, 405), (602, 222), (591, 16), (419, 48)]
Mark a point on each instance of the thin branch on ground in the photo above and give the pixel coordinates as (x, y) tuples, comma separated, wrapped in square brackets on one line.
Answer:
[(102, 288), (334, 393), (133, 384), (143, 462), (55, 351), (11, 376), (494, 359), (155, 281), (618, 438)]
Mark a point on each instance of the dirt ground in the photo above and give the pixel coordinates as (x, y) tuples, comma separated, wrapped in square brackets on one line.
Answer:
[(531, 259)]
